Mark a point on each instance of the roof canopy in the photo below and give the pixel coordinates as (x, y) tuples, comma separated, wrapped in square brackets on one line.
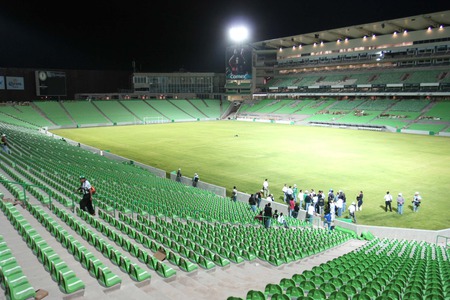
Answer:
[(420, 22)]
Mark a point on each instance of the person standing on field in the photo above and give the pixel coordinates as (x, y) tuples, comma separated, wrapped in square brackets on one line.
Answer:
[(266, 188), (417, 199), (359, 198), (388, 201), (400, 202)]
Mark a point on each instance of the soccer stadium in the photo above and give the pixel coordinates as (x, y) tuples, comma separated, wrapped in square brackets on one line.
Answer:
[(361, 108)]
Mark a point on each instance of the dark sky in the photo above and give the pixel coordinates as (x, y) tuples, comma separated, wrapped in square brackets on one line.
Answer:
[(165, 35)]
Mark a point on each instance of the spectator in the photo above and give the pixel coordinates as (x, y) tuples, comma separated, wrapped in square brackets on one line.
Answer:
[(267, 215), (331, 197), (86, 201), (289, 194), (310, 213), (339, 205), (275, 214), (259, 216), (308, 200), (387, 201), (359, 198), (258, 197), (320, 203), (291, 206), (284, 190), (195, 180), (270, 198), (234, 194), (266, 188), (179, 175), (333, 210), (295, 192), (327, 218), (252, 202), (296, 210), (301, 198), (352, 210), (344, 200), (4, 144), (400, 202), (282, 220), (417, 199)]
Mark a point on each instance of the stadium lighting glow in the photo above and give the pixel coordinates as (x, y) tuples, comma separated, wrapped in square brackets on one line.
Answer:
[(429, 28), (441, 27), (238, 34)]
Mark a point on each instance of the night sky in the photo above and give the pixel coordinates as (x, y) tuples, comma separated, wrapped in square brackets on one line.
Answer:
[(167, 36)]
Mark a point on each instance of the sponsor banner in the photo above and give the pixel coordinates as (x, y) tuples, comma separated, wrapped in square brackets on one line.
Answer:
[(2, 82), (15, 83)]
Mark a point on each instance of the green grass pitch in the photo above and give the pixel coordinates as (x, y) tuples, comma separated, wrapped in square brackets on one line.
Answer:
[(228, 153)]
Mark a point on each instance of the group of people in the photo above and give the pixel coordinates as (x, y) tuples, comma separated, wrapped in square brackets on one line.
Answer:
[(416, 201), (195, 179), (266, 216)]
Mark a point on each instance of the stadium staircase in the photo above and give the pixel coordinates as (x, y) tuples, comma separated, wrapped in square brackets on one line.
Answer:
[(42, 113), (163, 115), (137, 117), (67, 113), (101, 112)]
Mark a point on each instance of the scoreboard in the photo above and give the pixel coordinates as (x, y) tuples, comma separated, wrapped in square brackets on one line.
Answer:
[(50, 83)]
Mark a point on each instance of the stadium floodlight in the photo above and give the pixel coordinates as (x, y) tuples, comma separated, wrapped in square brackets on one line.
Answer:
[(238, 34)]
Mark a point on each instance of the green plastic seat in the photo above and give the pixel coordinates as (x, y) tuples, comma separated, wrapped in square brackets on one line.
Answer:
[(272, 288), (339, 295), (137, 273), (21, 291), (412, 296), (317, 294), (255, 295), (286, 282), (349, 289), (280, 296), (370, 291), (107, 278), (164, 270), (294, 292), (186, 265), (69, 283), (307, 285), (328, 288), (298, 278)]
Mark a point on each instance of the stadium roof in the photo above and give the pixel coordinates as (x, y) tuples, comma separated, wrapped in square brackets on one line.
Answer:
[(413, 23)]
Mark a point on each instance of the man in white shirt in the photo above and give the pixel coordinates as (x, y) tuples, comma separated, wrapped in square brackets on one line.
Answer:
[(311, 211), (284, 190), (387, 201), (266, 188), (282, 220), (351, 211), (86, 201), (339, 205)]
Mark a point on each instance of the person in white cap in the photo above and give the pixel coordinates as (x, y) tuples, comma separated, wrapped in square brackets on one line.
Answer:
[(400, 202), (417, 199), (352, 210), (4, 144), (195, 180)]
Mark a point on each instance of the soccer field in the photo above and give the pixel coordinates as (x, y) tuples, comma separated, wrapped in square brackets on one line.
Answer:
[(228, 153)]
